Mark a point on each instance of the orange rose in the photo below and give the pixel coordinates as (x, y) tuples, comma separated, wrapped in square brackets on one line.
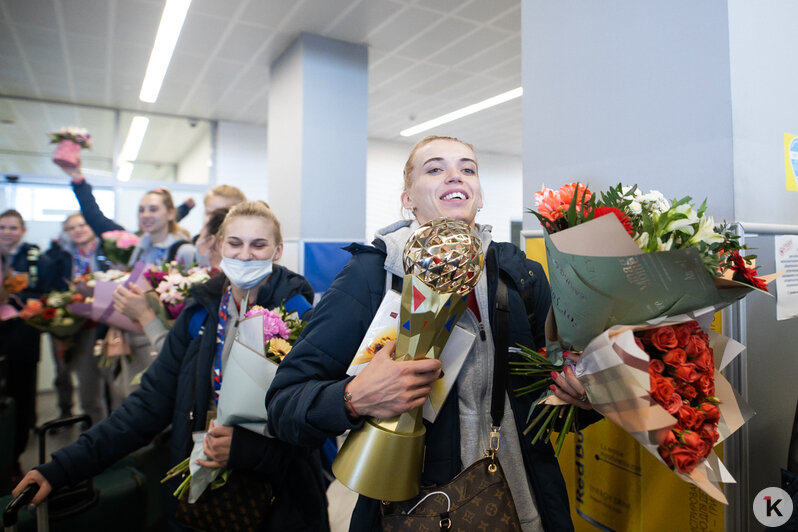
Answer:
[(705, 362), (77, 298), (674, 403), (668, 438), (687, 391), (655, 366), (711, 412), (693, 440), (695, 346), (709, 431), (675, 357), (684, 459), (686, 372), (683, 333), (690, 417), (707, 385), (663, 338), (661, 388), (665, 453)]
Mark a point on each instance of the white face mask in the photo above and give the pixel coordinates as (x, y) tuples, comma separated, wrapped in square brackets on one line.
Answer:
[(246, 274)]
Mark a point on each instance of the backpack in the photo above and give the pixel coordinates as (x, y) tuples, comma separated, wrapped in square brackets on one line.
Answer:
[(172, 253)]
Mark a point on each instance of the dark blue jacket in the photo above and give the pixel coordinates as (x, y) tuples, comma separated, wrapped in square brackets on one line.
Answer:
[(305, 401), (19, 341), (176, 389)]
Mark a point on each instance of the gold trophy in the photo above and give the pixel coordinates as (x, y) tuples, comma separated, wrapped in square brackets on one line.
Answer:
[(443, 261)]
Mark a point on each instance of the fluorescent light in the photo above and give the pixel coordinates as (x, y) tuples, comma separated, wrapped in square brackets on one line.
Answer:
[(174, 14), (465, 111), (125, 171), (131, 147), (135, 136)]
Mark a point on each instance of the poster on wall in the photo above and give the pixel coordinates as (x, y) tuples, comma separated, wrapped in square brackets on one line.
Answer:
[(791, 161), (787, 284)]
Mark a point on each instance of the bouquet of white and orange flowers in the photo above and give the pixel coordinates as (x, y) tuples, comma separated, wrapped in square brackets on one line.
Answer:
[(621, 267)]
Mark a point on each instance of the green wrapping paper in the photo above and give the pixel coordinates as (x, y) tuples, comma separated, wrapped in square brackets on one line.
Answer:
[(599, 278)]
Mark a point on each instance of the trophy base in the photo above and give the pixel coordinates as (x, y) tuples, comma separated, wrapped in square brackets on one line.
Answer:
[(381, 464)]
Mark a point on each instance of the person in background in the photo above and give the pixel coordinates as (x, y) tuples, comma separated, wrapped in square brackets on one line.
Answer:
[(79, 252), (222, 196), (162, 241), (209, 253), (19, 342), (98, 222), (180, 387), (312, 397)]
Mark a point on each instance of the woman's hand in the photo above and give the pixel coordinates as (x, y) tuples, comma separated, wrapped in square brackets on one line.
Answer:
[(568, 388), (34, 477), (216, 446), (386, 388), (133, 303)]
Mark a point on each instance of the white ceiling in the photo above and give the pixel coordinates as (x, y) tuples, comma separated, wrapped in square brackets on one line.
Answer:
[(426, 58)]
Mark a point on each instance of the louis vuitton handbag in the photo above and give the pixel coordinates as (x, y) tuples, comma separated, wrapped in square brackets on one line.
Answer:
[(242, 504), (478, 498)]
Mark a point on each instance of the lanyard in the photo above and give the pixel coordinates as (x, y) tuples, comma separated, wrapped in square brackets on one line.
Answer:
[(221, 329)]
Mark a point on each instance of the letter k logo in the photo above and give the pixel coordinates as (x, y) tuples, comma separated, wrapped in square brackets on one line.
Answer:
[(772, 506)]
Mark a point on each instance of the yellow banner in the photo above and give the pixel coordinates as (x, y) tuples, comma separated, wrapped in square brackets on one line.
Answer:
[(615, 485), (791, 161)]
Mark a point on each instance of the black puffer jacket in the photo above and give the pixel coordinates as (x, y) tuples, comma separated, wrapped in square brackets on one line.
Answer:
[(176, 389)]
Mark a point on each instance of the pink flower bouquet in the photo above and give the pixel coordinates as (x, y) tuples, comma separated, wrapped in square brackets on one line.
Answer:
[(70, 141), (118, 246), (173, 285)]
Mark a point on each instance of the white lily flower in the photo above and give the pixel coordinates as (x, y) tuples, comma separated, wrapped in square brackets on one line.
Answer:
[(706, 232), (642, 240)]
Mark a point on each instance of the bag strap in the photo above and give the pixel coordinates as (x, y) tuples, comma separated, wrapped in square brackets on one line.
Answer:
[(172, 253), (501, 346)]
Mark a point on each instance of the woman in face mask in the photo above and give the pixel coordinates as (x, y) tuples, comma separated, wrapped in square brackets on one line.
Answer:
[(178, 388)]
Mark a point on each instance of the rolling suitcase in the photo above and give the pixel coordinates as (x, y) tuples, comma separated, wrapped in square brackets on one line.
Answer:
[(112, 499)]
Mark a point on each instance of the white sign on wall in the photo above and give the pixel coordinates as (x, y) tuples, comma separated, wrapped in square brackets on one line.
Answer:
[(787, 284)]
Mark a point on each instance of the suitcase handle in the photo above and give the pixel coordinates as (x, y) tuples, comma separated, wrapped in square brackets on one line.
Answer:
[(55, 424), (23, 499)]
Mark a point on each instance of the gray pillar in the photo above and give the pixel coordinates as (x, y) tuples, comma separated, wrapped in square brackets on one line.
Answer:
[(317, 135)]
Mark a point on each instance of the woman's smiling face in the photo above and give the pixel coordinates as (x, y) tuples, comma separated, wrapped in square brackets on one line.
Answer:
[(444, 182)]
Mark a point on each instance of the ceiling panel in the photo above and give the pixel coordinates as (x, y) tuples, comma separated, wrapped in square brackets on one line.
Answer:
[(88, 18), (427, 57), (39, 13), (270, 13), (356, 24)]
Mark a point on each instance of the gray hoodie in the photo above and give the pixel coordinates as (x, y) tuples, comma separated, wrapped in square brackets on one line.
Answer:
[(475, 382)]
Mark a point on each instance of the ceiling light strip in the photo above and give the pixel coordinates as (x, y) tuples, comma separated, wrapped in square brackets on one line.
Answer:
[(465, 111), (174, 14), (131, 146)]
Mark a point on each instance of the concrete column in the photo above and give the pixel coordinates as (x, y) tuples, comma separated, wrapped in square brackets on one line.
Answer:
[(317, 139)]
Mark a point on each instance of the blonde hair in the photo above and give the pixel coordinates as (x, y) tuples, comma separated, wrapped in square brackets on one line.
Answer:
[(231, 194), (169, 203), (256, 209), (421, 143)]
